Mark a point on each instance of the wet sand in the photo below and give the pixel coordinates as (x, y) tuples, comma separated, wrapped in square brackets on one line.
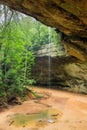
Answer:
[(71, 107)]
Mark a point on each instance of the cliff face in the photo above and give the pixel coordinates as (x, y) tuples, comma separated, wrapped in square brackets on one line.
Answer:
[(65, 73), (55, 68), (68, 17), (51, 50)]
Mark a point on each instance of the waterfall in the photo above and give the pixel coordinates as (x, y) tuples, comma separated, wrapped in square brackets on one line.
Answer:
[(50, 120), (49, 57)]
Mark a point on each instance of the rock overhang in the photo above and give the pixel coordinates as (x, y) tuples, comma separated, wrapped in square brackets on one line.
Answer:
[(67, 16)]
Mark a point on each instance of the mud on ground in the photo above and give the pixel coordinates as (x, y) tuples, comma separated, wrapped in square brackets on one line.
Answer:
[(69, 109)]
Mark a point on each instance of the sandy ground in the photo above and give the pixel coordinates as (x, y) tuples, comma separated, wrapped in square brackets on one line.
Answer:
[(73, 109)]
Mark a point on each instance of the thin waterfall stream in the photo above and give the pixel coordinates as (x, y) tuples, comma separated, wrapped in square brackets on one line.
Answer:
[(50, 120), (49, 58)]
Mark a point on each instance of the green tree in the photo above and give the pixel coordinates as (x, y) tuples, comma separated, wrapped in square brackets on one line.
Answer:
[(15, 62), (20, 36)]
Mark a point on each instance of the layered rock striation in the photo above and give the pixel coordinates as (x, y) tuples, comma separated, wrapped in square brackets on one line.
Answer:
[(68, 17), (65, 73), (55, 69)]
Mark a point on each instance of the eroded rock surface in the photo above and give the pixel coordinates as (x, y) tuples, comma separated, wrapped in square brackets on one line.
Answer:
[(67, 16), (65, 73), (70, 18)]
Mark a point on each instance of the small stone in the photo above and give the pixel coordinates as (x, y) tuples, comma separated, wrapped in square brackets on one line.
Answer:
[(51, 121), (40, 121), (11, 123), (55, 115)]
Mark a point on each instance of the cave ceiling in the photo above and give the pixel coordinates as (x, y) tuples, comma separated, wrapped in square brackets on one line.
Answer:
[(68, 17)]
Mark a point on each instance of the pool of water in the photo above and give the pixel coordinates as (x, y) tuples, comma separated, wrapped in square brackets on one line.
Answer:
[(35, 119)]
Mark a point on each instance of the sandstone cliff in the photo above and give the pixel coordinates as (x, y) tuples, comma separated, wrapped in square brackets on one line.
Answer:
[(70, 18), (67, 16), (65, 73)]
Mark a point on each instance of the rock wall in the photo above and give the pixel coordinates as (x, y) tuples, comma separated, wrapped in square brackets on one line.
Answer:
[(68, 17), (65, 73), (51, 49)]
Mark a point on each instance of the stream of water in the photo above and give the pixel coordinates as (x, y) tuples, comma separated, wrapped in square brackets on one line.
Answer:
[(49, 57), (50, 120)]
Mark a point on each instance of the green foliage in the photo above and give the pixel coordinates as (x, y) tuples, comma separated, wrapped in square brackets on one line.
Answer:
[(15, 62), (18, 40), (38, 33)]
